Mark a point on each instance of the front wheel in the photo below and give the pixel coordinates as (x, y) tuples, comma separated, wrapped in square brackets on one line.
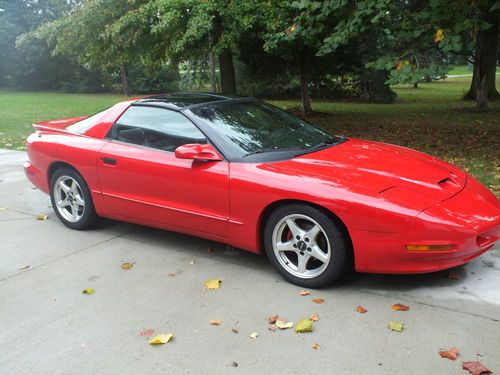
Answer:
[(306, 246), (71, 199)]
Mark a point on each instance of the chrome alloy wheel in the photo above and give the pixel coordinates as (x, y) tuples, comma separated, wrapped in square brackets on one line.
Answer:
[(301, 246), (69, 199)]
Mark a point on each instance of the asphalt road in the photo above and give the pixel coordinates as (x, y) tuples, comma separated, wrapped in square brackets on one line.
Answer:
[(47, 326)]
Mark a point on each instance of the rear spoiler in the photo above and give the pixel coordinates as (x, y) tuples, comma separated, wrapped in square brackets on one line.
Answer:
[(57, 125)]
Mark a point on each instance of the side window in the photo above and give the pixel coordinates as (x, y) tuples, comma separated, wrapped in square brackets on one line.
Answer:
[(156, 127)]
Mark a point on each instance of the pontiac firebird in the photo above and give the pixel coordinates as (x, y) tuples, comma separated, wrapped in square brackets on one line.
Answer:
[(245, 173)]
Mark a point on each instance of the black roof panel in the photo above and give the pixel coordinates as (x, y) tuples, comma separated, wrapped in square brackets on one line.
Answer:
[(179, 100)]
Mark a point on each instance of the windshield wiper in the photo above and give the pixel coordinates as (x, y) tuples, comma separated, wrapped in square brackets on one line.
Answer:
[(327, 142)]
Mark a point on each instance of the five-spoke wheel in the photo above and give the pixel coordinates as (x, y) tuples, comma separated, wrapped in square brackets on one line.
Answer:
[(71, 199), (306, 246)]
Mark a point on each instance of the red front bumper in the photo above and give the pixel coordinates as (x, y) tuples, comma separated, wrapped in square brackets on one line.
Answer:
[(470, 221)]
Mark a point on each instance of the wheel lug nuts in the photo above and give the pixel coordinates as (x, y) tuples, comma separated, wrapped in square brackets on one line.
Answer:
[(308, 249), (298, 237), (294, 245), (301, 253), (307, 239)]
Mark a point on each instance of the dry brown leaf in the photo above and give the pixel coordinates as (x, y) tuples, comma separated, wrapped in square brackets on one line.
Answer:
[(42, 217), (146, 332), (304, 292), (254, 335), (475, 368), (215, 322), (127, 265), (318, 300), (361, 309), (273, 319), (171, 274), (316, 346), (400, 307), (450, 354), (314, 317), (234, 364)]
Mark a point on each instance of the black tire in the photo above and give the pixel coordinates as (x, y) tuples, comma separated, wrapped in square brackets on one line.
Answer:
[(88, 216), (340, 258)]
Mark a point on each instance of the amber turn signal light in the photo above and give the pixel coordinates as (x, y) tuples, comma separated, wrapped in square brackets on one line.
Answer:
[(412, 247)]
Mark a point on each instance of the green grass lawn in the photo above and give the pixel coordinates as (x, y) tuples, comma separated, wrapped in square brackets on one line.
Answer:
[(431, 118), (464, 69)]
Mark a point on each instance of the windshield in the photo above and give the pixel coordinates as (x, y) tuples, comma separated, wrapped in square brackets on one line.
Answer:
[(255, 127)]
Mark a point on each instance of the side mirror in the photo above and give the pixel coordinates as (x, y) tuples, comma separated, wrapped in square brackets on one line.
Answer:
[(197, 151)]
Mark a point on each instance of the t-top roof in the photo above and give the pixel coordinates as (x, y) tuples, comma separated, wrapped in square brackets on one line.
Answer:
[(181, 100)]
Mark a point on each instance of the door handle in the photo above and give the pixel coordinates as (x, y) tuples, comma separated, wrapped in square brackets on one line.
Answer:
[(109, 161)]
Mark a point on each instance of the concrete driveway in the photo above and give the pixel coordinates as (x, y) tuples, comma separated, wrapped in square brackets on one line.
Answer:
[(47, 326)]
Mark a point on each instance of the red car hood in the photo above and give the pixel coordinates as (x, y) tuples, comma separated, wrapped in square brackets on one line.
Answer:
[(382, 168)]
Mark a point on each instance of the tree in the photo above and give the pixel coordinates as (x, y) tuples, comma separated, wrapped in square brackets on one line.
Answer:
[(314, 32), (471, 29)]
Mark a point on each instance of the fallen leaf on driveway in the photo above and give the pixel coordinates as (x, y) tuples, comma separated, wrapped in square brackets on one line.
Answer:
[(396, 326), (450, 354), (318, 300), (305, 325), (33, 188), (281, 324), (316, 346), (235, 329), (127, 265), (361, 309), (254, 335), (171, 274), (212, 283), (42, 217), (234, 364), (24, 267), (88, 291), (304, 292), (215, 322), (314, 317), (453, 276), (147, 332), (3, 209), (192, 262), (272, 328), (475, 368), (161, 339), (400, 307), (273, 319)]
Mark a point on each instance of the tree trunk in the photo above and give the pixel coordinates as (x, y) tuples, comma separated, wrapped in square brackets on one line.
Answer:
[(211, 62), (484, 74), (227, 78), (123, 74), (304, 84)]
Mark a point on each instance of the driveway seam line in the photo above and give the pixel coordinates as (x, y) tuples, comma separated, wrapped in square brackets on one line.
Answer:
[(66, 255)]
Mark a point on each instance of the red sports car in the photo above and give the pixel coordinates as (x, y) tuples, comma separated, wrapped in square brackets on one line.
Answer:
[(243, 172)]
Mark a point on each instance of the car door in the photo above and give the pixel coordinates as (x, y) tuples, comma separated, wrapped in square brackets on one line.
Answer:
[(142, 180)]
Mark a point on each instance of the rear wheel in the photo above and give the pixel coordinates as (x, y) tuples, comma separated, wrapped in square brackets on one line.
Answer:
[(306, 246), (71, 199)]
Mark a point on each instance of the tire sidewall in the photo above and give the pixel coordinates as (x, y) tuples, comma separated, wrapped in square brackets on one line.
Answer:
[(338, 245), (89, 216)]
